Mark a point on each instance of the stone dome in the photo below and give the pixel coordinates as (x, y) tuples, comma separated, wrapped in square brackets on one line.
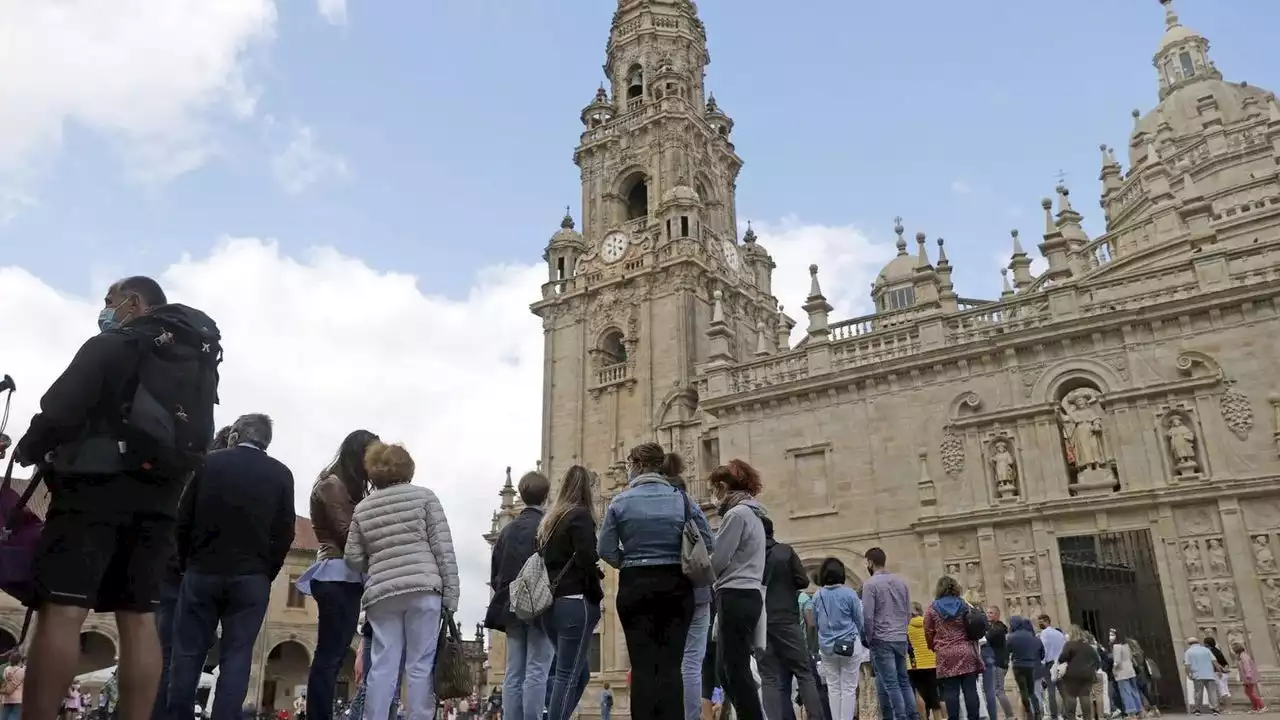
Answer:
[(1180, 109), (566, 235), (682, 194), (750, 247), (901, 268)]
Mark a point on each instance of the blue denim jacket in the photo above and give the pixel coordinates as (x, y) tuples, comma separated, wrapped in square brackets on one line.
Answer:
[(643, 524)]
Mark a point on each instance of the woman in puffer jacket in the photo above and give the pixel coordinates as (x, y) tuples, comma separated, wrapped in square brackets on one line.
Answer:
[(399, 536)]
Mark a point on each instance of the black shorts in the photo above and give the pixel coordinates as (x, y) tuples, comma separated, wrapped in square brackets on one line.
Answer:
[(926, 683), (105, 562)]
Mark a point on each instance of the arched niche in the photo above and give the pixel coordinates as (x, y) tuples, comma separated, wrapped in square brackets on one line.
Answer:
[(966, 403), (1066, 375), (97, 651), (1193, 363)]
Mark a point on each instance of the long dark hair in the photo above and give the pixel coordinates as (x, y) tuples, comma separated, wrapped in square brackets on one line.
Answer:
[(575, 491), (349, 464)]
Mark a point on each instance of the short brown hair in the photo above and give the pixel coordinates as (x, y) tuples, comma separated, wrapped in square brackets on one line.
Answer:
[(387, 464), (534, 488), (737, 476)]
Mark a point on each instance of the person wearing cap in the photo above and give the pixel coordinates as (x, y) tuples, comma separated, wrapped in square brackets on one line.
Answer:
[(1202, 670)]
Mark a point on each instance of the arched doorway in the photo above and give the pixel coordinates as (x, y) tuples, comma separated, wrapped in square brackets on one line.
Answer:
[(7, 642), (97, 651), (286, 675)]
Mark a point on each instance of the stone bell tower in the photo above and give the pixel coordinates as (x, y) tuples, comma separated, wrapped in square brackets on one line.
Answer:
[(629, 299)]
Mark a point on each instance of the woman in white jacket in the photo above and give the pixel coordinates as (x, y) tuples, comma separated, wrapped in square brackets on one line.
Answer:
[(399, 536)]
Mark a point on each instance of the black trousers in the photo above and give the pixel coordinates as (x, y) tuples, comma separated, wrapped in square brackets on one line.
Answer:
[(786, 657), (655, 607), (739, 612)]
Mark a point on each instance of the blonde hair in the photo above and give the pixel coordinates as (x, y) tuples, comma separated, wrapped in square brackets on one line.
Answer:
[(387, 464), (575, 491), (1075, 632), (973, 598)]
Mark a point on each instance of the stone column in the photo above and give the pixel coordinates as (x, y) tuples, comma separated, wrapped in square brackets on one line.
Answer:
[(1053, 593), (1248, 592), (932, 555), (989, 555)]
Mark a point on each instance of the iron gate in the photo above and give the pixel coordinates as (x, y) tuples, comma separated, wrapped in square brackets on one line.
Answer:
[(1112, 581)]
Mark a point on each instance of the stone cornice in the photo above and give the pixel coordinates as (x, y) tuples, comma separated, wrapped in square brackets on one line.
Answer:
[(1050, 332)]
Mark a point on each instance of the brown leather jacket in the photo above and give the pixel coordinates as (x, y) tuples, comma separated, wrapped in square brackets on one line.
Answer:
[(331, 508)]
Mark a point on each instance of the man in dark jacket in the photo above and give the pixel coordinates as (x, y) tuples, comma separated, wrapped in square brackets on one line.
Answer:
[(995, 661), (1026, 654), (235, 528), (529, 650), (785, 655), (109, 530)]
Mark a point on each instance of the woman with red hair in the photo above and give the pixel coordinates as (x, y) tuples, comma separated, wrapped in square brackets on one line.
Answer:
[(738, 561)]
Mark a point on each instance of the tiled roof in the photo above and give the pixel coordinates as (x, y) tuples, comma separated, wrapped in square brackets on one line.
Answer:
[(304, 536)]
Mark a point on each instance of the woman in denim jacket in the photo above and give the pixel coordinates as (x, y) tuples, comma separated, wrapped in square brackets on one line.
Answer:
[(641, 536)]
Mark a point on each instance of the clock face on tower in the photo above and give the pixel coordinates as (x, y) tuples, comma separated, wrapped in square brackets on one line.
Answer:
[(731, 255), (614, 246)]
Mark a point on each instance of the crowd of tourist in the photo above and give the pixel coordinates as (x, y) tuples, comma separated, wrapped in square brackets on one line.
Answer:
[(183, 533)]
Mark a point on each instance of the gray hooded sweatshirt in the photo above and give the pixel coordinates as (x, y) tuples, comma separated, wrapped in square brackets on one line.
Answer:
[(738, 556)]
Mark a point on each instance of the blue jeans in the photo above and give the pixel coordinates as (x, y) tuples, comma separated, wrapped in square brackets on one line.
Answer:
[(11, 711), (239, 603), (893, 688), (529, 654), (695, 651), (570, 623), (993, 688), (164, 628), (966, 685), (366, 663), (338, 605), (1130, 696)]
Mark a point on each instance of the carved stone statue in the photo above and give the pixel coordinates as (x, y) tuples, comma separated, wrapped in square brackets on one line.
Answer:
[(1271, 596), (1200, 598), (1263, 559), (1218, 558), (953, 571), (1010, 575), (1006, 469), (1191, 558), (1226, 598), (1081, 421), (973, 577), (1013, 606), (1034, 608), (1182, 442), (1030, 573)]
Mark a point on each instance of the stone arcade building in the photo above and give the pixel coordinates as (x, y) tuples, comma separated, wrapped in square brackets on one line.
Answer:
[(1101, 443)]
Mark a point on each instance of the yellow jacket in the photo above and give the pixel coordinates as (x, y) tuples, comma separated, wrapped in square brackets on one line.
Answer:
[(925, 659)]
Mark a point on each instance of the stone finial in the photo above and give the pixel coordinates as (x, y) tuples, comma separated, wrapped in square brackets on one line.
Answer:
[(898, 230), (942, 253), (763, 347), (717, 310), (1017, 244), (815, 290), (1153, 154), (567, 222), (1006, 289), (1064, 198), (1105, 160), (1111, 153), (922, 252), (1170, 15), (1137, 119), (750, 237), (508, 492), (602, 95), (782, 332), (1049, 226)]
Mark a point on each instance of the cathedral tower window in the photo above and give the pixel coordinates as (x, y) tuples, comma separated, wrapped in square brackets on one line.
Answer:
[(684, 226), (612, 348), (560, 268), (638, 199), (635, 87), (897, 299), (1188, 67)]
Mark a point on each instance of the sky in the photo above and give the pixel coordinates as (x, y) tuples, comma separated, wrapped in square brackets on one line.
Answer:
[(360, 193)]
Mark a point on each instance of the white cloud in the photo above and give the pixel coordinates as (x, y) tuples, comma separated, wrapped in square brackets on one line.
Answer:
[(960, 187), (325, 345), (303, 163), (333, 11), (847, 263), (150, 75)]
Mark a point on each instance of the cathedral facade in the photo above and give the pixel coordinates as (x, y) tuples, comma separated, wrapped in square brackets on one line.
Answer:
[(1100, 443)]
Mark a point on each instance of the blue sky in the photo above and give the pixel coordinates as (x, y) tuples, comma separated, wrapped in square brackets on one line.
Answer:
[(361, 198), (456, 120)]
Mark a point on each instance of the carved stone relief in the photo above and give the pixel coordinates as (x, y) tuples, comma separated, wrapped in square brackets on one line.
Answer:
[(961, 545), (1237, 412), (973, 577), (952, 450)]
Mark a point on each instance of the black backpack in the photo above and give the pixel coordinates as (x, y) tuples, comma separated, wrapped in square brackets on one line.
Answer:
[(975, 623), (166, 424)]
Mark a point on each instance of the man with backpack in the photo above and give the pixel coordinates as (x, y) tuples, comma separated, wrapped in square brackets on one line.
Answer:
[(117, 436)]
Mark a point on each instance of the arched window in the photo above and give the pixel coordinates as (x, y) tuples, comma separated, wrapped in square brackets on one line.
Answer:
[(899, 298), (638, 200), (613, 348), (1188, 67), (635, 83)]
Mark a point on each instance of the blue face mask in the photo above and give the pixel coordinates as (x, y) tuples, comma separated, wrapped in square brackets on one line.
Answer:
[(107, 319)]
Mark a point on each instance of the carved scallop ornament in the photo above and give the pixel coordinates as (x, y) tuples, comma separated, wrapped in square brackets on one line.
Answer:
[(952, 451), (1237, 412)]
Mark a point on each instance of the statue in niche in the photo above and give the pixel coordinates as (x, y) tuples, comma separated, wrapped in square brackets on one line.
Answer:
[(1006, 469), (1226, 598), (1030, 573), (1263, 559), (1014, 606), (1191, 558), (1034, 608), (1271, 596), (1081, 420), (1010, 580), (1235, 634), (973, 577), (1200, 598), (1182, 443), (953, 571), (1217, 558)]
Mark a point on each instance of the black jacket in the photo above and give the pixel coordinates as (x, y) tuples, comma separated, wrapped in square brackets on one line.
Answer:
[(1082, 662), (514, 546), (997, 643), (570, 555), (784, 578), (237, 515)]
